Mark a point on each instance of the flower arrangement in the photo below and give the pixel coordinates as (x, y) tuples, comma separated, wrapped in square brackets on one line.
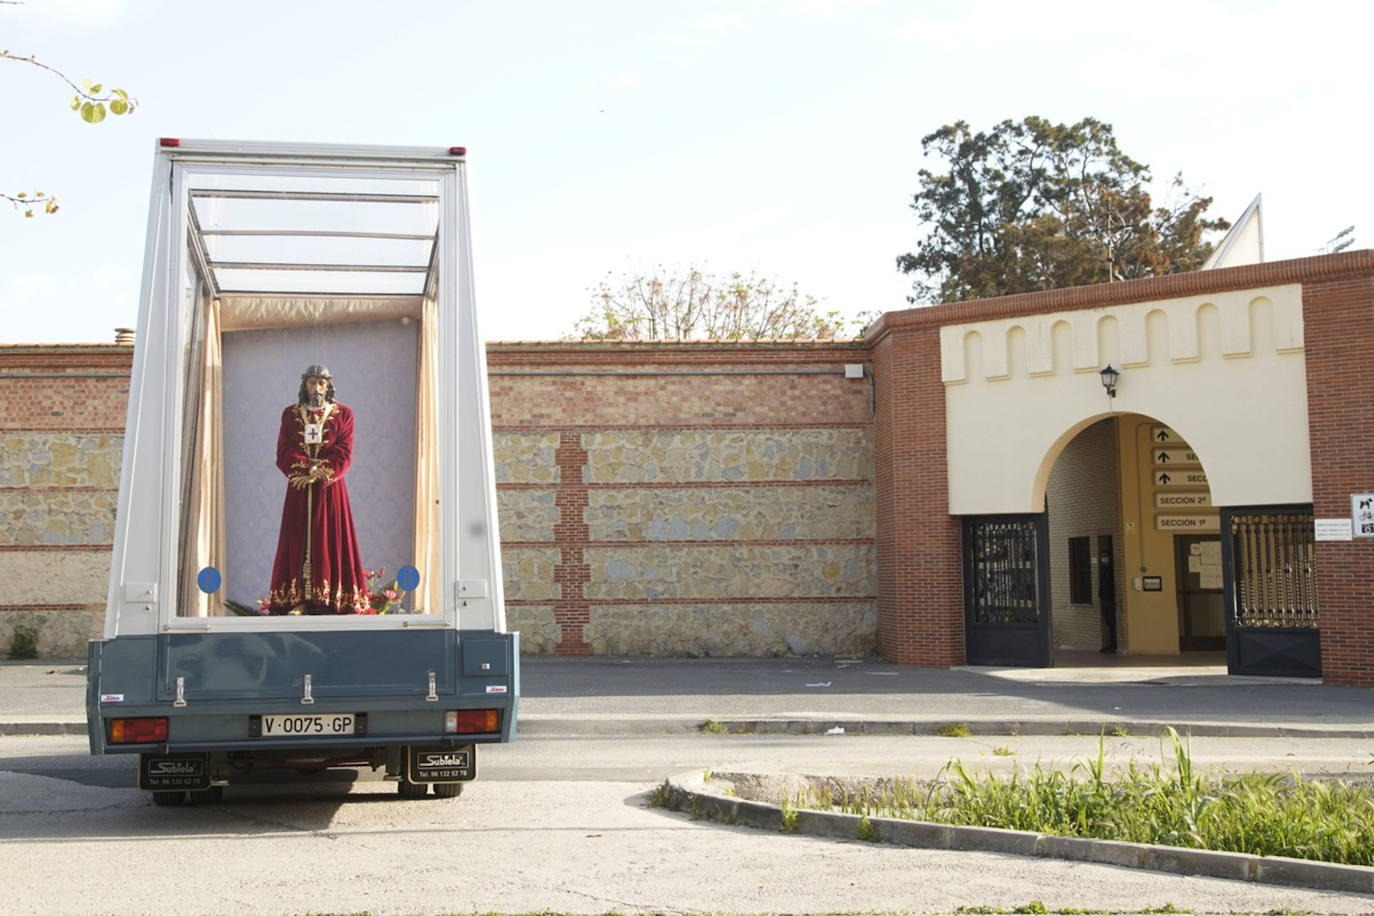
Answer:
[(382, 599)]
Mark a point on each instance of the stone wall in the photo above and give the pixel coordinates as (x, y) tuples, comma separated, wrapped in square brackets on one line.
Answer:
[(62, 431), (691, 500)]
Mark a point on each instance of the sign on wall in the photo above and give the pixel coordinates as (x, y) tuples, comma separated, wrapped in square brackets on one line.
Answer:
[(1362, 515)]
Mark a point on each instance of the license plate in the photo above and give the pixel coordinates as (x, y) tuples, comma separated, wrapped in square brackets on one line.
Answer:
[(298, 726)]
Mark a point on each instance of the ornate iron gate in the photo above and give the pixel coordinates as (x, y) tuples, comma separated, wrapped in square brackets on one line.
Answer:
[(1006, 590), (1270, 591)]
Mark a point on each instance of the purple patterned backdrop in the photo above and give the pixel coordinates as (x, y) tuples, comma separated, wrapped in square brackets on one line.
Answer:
[(373, 365)]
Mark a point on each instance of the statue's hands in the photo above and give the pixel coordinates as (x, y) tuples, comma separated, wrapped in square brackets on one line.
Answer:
[(301, 481)]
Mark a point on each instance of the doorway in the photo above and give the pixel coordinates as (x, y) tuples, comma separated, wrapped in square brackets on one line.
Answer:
[(1199, 582)]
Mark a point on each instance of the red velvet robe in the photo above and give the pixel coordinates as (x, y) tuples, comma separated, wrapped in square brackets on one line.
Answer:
[(336, 583)]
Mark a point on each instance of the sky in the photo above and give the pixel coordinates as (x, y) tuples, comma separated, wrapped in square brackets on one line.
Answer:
[(778, 137)]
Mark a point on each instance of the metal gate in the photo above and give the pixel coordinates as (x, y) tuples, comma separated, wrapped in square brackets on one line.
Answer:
[(1270, 591), (1006, 590)]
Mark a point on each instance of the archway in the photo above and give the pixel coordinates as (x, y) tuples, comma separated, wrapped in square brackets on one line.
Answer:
[(1134, 543)]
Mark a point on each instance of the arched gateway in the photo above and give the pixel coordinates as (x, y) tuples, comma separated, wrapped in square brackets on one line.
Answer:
[(1204, 441)]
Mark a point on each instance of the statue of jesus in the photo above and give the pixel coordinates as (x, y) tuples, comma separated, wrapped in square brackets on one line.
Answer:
[(318, 569)]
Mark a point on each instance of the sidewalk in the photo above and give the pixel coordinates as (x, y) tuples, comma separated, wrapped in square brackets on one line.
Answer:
[(608, 696)]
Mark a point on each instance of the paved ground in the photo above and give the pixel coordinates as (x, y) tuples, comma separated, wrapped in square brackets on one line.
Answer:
[(858, 711), (617, 695)]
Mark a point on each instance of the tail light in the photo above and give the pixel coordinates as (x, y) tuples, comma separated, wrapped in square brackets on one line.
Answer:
[(472, 721), (137, 731)]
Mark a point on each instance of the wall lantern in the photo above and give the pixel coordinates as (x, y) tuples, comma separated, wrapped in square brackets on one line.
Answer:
[(1109, 377)]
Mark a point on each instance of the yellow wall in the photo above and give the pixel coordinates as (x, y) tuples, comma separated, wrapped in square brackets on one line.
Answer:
[(1150, 620)]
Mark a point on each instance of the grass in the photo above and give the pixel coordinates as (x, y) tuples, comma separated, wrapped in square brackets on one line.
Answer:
[(712, 727), (952, 730), (1265, 814)]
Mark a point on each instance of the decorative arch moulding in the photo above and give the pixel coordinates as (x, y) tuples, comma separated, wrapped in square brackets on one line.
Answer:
[(1233, 325)]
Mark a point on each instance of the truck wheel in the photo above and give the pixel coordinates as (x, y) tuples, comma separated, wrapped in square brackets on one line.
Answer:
[(209, 796), (408, 789), (168, 799), (448, 789)]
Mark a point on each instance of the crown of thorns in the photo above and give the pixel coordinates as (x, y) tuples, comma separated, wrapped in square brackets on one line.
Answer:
[(317, 371)]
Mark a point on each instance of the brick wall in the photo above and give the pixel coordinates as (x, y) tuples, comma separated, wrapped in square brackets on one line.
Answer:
[(1338, 318), (920, 572), (699, 498), (62, 430), (693, 499)]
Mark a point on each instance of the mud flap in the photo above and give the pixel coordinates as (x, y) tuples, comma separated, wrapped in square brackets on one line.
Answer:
[(441, 764), (174, 772)]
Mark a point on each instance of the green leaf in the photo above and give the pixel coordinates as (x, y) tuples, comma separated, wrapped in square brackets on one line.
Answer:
[(76, 102), (119, 107), (22, 194), (122, 94), (95, 90), (86, 84), (93, 112)]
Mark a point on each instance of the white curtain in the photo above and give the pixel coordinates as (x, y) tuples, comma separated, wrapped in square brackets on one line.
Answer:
[(426, 597), (206, 512)]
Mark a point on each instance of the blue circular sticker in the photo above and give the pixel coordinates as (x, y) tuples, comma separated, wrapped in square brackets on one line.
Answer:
[(407, 578), (209, 580)]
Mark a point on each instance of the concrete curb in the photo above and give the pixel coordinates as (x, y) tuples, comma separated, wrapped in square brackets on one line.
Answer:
[(25, 728), (692, 793), (1040, 727)]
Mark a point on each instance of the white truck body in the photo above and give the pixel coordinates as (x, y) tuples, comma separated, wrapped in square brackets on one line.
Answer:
[(263, 259)]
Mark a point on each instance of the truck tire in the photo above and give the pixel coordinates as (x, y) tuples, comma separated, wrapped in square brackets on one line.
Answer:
[(209, 796), (169, 799), (448, 789), (408, 789)]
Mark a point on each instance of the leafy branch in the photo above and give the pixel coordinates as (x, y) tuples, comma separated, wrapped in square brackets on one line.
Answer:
[(91, 101), (26, 202), (91, 98)]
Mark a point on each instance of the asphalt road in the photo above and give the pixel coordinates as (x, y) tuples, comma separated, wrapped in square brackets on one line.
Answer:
[(558, 822)]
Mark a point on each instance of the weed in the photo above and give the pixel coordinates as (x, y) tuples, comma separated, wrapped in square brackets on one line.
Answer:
[(866, 831), (24, 642), (1120, 731), (1035, 906), (661, 796), (1166, 908), (712, 727), (1262, 814), (706, 775), (952, 730), (789, 817), (1003, 751)]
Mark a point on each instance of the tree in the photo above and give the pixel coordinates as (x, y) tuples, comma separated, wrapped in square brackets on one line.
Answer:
[(1032, 205), (91, 101), (695, 305)]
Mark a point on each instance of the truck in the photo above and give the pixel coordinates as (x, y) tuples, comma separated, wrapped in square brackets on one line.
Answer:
[(306, 573)]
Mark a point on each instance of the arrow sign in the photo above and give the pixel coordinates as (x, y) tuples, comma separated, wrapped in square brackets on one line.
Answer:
[(1163, 434), (1175, 456), (1180, 478)]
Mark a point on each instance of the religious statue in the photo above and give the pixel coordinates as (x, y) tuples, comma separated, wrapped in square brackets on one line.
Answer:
[(318, 569)]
